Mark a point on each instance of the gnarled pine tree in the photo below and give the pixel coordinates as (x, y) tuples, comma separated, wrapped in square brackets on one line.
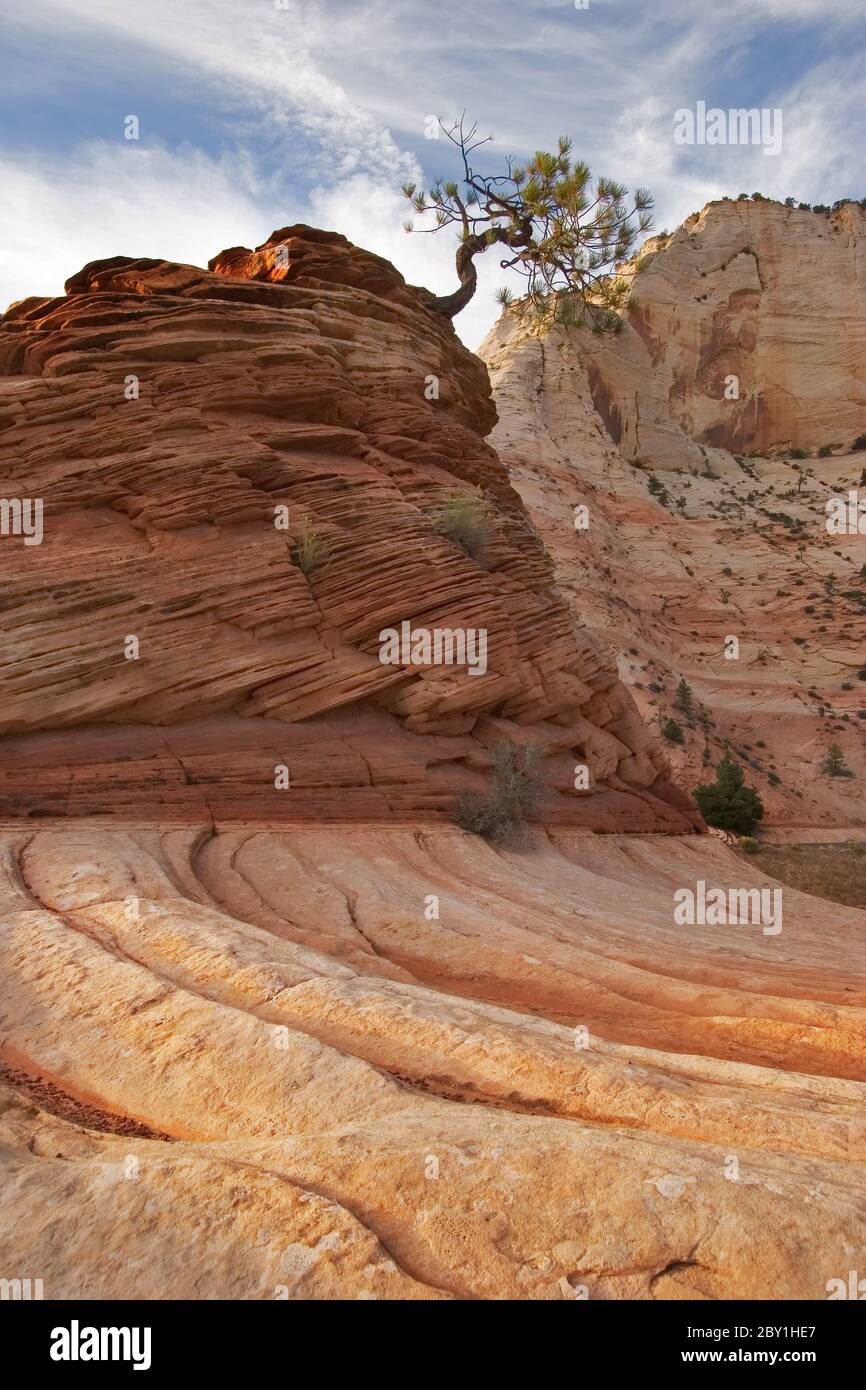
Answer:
[(565, 237)]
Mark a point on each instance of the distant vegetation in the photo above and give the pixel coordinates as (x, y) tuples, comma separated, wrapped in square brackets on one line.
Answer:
[(801, 207), (834, 763), (825, 871)]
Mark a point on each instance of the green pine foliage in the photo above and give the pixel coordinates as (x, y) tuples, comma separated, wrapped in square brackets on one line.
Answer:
[(727, 803)]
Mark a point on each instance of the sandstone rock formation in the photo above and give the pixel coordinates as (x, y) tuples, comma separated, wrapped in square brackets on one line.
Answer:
[(758, 291), (734, 545), (170, 418), (318, 1043), (546, 1091)]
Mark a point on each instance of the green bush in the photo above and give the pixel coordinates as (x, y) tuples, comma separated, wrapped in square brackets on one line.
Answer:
[(465, 519), (727, 803), (749, 844), (672, 731), (834, 763), (825, 451), (684, 694), (500, 814), (859, 443)]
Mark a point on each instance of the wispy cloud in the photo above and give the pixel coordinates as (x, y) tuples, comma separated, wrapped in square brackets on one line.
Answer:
[(317, 111)]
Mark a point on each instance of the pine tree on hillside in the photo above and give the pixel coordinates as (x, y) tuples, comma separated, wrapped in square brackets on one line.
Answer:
[(684, 695), (728, 803), (564, 236)]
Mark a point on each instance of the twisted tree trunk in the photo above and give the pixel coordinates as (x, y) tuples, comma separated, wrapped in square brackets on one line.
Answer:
[(451, 304)]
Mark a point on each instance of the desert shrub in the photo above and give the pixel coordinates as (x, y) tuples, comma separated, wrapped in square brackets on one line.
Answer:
[(799, 454), (465, 518), (825, 451), (672, 731), (500, 813), (684, 694), (834, 763), (749, 844), (727, 803), (311, 550), (859, 443)]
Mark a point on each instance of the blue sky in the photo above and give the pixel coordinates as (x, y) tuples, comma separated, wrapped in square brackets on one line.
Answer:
[(258, 113)]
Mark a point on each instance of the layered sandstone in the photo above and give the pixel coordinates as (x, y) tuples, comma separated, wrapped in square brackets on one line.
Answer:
[(257, 1065), (185, 429), (249, 1052), (766, 295), (736, 545)]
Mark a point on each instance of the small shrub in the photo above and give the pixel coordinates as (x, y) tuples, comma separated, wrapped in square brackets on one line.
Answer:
[(859, 443), (684, 694), (748, 844), (825, 451), (311, 550), (672, 731), (465, 519), (799, 454), (500, 814), (834, 763)]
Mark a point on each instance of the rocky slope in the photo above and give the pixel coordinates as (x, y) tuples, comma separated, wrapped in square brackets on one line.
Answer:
[(163, 648), (688, 544)]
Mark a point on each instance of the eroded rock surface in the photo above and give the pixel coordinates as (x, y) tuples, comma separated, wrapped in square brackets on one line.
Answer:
[(165, 415), (736, 545), (541, 1088)]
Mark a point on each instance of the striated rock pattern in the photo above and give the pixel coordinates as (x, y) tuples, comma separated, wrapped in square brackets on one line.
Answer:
[(253, 1065), (310, 1042), (163, 649), (767, 294), (732, 546)]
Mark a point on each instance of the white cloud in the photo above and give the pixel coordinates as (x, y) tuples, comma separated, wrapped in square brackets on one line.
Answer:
[(114, 199), (371, 215)]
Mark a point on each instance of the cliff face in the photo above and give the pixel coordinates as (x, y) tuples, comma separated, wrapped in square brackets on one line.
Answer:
[(769, 296), (184, 429), (730, 546)]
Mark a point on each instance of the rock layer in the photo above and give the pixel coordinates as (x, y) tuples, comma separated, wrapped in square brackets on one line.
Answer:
[(770, 296), (544, 1089), (186, 431), (728, 546)]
